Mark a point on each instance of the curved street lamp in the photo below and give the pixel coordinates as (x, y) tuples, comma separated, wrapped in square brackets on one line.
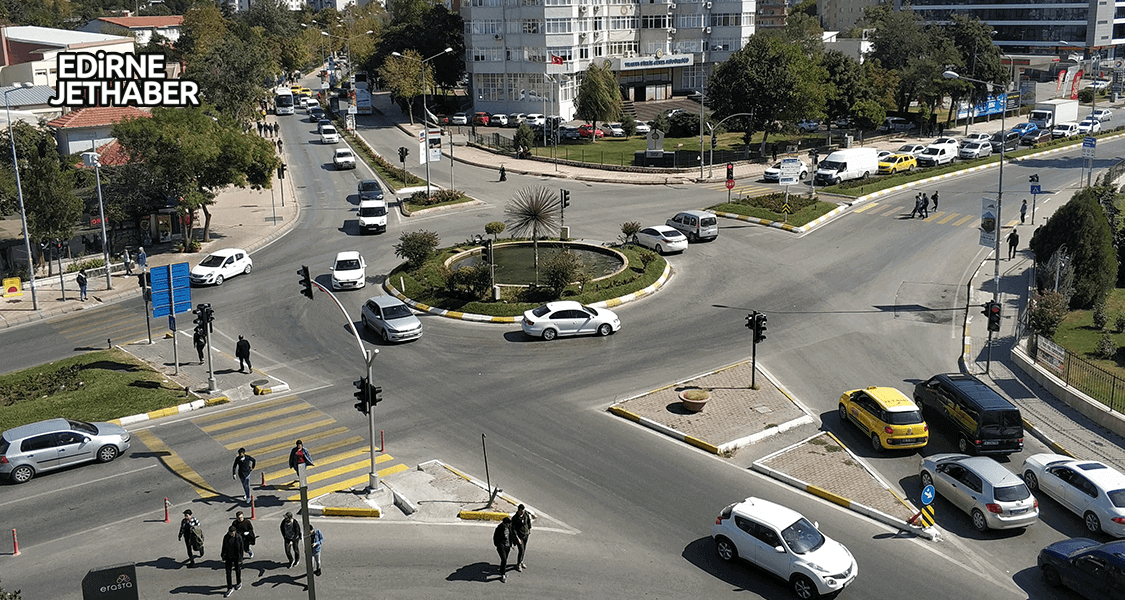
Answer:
[(425, 135)]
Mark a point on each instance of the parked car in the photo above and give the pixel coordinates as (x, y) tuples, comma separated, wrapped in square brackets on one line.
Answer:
[(1064, 130), (498, 120), (343, 158), (587, 130), (774, 173), (328, 135), (946, 141), (1010, 139), (887, 416), (914, 149), (785, 544), (1093, 570), (28, 450), (661, 238), (391, 319), (933, 156), (975, 149), (808, 126), (883, 154), (460, 119), (1038, 136), (614, 130), (534, 119), (994, 497), (349, 271), (1102, 114), (1089, 125), (515, 119), (567, 132), (1087, 488), (892, 124), (221, 265), (481, 118), (1025, 128), (897, 163), (1099, 84), (975, 137), (695, 224), (567, 317), (983, 421), (643, 128)]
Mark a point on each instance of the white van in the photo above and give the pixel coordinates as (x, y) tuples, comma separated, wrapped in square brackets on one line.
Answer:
[(937, 154), (372, 216), (843, 165)]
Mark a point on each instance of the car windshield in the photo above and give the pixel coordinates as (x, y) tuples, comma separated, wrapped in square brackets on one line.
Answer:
[(83, 426), (830, 165), (931, 151), (802, 537), (213, 261), (906, 149), (906, 417), (343, 153), (1003, 422), (397, 311), (1011, 493), (370, 186), (349, 264), (1116, 497), (328, 130), (372, 211)]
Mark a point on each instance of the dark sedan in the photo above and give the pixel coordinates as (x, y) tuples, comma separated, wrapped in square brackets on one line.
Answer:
[(1038, 136), (1090, 569)]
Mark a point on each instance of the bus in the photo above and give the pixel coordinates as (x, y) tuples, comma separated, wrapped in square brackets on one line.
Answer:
[(283, 101), (363, 102)]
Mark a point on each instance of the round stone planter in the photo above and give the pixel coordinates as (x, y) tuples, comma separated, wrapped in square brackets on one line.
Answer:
[(694, 399)]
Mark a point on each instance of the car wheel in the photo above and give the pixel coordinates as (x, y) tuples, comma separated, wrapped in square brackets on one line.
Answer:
[(927, 480), (964, 446), (1093, 524), (910, 168), (660, 249), (725, 549), (386, 335), (247, 270), (22, 474), (843, 413), (1051, 576), (978, 520), (804, 588), (876, 444), (107, 453), (219, 280), (1031, 480), (691, 237), (549, 334), (604, 329)]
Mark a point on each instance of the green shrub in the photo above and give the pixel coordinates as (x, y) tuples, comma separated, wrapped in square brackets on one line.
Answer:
[(1120, 324), (561, 269), (628, 230), (1106, 347), (420, 198), (95, 263), (646, 258), (1047, 312), (475, 280), (1101, 317), (494, 228), (416, 246)]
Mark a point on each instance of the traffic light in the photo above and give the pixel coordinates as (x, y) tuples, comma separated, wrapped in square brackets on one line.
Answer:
[(403, 152), (1033, 178), (992, 309), (281, 171), (714, 140), (208, 317), (363, 404), (306, 282), (376, 395), (759, 328), (200, 320), (730, 172), (486, 252), (565, 195), (751, 319)]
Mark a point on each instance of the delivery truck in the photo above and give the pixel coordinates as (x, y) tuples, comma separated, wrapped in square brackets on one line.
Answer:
[(1049, 113)]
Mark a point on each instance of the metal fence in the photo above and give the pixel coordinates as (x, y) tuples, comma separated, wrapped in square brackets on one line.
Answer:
[(1112, 174), (1080, 373)]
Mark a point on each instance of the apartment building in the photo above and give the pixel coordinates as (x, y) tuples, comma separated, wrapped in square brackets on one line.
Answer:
[(528, 55)]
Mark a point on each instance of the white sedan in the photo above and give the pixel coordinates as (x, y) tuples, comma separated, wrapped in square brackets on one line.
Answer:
[(661, 238), (1102, 114), (1090, 125), (343, 158), (220, 266), (643, 127), (1088, 488), (567, 317), (349, 271)]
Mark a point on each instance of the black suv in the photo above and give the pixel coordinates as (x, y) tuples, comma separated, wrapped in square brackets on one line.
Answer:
[(985, 422)]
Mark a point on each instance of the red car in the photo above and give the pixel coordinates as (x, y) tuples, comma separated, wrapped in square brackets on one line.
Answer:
[(588, 130), (481, 118)]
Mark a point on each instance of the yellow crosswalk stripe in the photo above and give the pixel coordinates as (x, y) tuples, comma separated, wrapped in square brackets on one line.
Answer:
[(869, 207), (305, 416), (175, 463), (283, 458), (289, 433), (322, 462), (932, 217), (1012, 223), (948, 219), (962, 221), (226, 414), (227, 424), (886, 210), (349, 483)]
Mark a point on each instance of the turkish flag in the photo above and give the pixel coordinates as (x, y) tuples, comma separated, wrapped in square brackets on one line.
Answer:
[(556, 60)]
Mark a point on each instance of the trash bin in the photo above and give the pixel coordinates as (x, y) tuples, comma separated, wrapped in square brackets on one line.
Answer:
[(847, 141)]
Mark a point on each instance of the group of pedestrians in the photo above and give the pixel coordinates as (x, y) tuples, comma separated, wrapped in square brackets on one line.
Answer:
[(512, 531), (922, 205), (269, 129)]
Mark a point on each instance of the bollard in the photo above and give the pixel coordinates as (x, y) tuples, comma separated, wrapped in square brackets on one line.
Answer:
[(253, 507), (382, 443), (263, 486), (166, 510), (15, 544)]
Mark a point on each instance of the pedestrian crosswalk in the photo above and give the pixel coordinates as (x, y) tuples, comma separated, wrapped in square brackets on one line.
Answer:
[(268, 431), (748, 189), (895, 210)]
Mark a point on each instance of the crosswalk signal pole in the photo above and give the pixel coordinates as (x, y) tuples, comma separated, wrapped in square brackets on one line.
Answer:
[(306, 530), (373, 475)]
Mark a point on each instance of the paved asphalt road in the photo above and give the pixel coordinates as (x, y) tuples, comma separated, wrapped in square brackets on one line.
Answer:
[(642, 504)]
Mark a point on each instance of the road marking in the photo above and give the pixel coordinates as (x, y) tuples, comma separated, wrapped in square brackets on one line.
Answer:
[(281, 434), (325, 461), (964, 220), (77, 485), (869, 207), (1012, 223), (932, 217), (284, 458), (285, 410), (948, 219), (175, 463), (348, 483), (305, 416), (243, 410), (886, 210)]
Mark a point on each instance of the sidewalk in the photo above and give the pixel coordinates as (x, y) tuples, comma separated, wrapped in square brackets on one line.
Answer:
[(240, 218)]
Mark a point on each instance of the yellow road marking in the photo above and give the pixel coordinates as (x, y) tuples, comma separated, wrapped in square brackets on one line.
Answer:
[(283, 459), (285, 410), (932, 217), (312, 414), (280, 434), (1012, 223), (868, 207), (175, 463), (886, 210), (348, 483), (964, 220), (319, 435), (948, 219), (323, 461), (226, 414)]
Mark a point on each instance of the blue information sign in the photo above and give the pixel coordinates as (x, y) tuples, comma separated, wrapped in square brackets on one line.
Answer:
[(927, 495), (168, 282), (1035, 189)]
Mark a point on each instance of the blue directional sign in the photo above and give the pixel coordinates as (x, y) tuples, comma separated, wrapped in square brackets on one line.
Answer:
[(171, 282), (172, 322), (927, 495), (1035, 189), (1089, 142)]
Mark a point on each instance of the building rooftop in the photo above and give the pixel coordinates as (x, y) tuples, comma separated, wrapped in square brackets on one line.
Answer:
[(96, 117), (56, 37), (21, 96), (143, 22)]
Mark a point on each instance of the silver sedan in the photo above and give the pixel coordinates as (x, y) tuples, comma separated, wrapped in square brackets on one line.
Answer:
[(567, 317)]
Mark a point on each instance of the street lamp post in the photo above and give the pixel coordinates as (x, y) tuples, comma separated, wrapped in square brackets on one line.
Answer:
[(91, 159), (712, 128), (425, 130), (19, 193), (1000, 184)]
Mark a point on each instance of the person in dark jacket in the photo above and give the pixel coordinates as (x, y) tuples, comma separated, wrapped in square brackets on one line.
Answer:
[(299, 455), (242, 468), (82, 284), (291, 534), (246, 530), (521, 528), (189, 530), (502, 539), (232, 559), (242, 353), (200, 344)]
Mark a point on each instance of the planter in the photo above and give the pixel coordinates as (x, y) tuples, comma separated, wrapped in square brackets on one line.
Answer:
[(694, 399)]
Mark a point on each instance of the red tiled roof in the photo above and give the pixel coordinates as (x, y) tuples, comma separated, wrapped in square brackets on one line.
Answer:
[(109, 155), (130, 22), (96, 117)]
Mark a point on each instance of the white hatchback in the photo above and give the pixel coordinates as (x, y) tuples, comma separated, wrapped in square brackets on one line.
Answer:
[(349, 271), (220, 266), (328, 135), (661, 238), (785, 544)]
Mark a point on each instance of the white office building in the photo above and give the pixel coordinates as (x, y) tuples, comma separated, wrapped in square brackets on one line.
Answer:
[(526, 56)]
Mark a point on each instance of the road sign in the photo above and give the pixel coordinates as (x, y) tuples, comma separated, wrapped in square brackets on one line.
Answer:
[(786, 209), (730, 184), (172, 322), (927, 495), (168, 282), (1035, 189), (1089, 144)]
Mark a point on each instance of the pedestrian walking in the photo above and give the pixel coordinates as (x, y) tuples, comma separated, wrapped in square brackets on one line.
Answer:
[(276, 129), (917, 206), (242, 352), (1023, 211), (317, 542), (941, 129), (142, 258), (279, 146), (82, 284), (259, 127), (1013, 241), (503, 173), (200, 342), (521, 527), (291, 535), (923, 202), (773, 150), (502, 539), (192, 535), (243, 466), (245, 529), (232, 559), (934, 199), (299, 455), (128, 262)]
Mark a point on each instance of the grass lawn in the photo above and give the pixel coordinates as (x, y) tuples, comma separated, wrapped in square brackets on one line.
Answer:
[(427, 285), (805, 209), (1078, 335), (97, 386)]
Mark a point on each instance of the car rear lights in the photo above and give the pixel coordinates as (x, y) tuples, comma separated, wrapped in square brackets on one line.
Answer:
[(994, 508), (888, 429)]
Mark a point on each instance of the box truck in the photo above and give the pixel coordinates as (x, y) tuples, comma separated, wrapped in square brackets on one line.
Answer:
[(1049, 113), (852, 163)]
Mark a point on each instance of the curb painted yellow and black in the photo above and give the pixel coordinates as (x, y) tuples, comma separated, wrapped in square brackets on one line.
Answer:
[(171, 410), (341, 511), (479, 515), (784, 226), (464, 316)]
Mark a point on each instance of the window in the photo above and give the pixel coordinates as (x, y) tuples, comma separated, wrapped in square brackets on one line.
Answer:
[(689, 21), (623, 48), (485, 26), (583, 53), (38, 443), (656, 22), (688, 47), (564, 52), (531, 25), (491, 86), (623, 22), (560, 25)]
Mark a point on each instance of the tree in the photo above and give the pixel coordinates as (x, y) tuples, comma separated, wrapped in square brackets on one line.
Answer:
[(805, 31), (563, 268), (598, 99), (979, 57), (203, 30), (231, 75), (525, 137), (846, 84), (416, 246), (494, 229), (53, 210), (1081, 226), (1046, 312), (535, 211), (406, 77)]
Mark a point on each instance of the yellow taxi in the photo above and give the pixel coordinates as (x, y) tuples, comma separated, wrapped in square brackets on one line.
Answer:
[(891, 419), (897, 163)]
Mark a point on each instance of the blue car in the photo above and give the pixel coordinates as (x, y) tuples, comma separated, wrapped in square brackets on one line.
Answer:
[(1090, 569), (1025, 128)]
